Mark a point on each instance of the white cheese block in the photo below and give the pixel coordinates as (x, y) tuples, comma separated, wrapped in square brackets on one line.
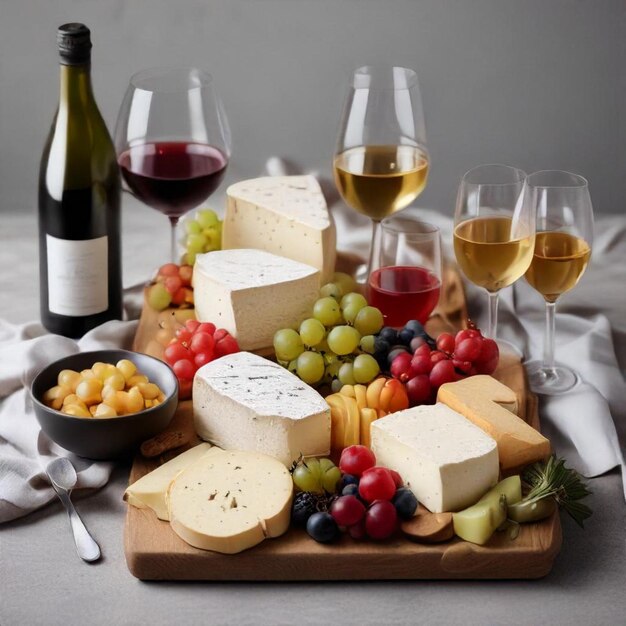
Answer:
[(244, 402), (446, 461), (286, 215), (149, 492), (231, 501), (252, 293)]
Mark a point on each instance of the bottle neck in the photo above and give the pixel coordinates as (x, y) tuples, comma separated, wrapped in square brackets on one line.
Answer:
[(75, 82)]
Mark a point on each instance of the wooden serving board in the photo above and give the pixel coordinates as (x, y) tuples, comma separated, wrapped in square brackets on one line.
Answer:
[(154, 552)]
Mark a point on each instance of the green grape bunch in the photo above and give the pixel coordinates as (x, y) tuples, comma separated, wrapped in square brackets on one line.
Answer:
[(203, 233), (335, 345)]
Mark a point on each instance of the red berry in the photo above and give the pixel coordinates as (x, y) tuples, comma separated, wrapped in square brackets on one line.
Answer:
[(179, 297), (356, 459), (206, 327), (184, 389), (377, 484), (202, 342), (423, 350), (443, 372), (436, 356), (175, 352), (381, 520), (445, 343), (202, 358), (169, 269), (227, 345), (184, 369), (461, 335), (192, 325), (357, 531), (488, 350), (347, 510), (464, 366), (183, 335), (418, 389), (468, 349), (400, 366), (173, 284), (186, 273), (486, 367), (420, 364), (220, 333), (397, 479)]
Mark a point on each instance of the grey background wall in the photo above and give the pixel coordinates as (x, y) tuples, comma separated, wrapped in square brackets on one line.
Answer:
[(535, 83)]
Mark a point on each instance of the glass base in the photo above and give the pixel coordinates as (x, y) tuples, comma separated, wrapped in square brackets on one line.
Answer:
[(550, 381)]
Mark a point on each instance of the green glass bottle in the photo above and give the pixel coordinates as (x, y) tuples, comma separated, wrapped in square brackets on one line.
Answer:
[(79, 203)]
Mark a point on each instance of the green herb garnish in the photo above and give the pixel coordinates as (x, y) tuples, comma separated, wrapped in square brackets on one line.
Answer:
[(551, 479)]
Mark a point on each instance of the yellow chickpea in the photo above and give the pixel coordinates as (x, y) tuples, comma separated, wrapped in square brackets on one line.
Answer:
[(115, 379), (76, 411), (55, 395), (117, 401), (98, 369), (87, 374), (134, 402), (93, 408), (149, 391), (135, 380), (107, 390), (148, 404), (72, 398), (104, 410), (126, 368), (68, 378), (90, 391)]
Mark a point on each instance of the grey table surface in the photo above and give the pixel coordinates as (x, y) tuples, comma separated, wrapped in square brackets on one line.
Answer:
[(42, 581)]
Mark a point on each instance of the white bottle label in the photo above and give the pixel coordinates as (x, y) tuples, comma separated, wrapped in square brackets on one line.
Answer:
[(78, 276)]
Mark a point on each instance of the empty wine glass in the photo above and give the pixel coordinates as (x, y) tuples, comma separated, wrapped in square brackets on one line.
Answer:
[(562, 250), (172, 140)]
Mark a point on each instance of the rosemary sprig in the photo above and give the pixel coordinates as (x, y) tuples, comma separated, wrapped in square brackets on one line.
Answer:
[(552, 479)]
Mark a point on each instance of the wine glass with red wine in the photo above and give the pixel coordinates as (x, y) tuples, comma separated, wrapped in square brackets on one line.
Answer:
[(172, 140)]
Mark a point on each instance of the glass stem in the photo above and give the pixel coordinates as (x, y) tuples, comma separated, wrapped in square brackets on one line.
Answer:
[(548, 344), (173, 242), (374, 258), (492, 324)]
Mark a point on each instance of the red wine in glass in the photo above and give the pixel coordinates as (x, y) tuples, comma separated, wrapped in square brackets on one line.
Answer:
[(173, 176), (404, 293)]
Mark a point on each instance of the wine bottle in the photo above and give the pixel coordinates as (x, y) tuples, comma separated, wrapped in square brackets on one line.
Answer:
[(79, 203)]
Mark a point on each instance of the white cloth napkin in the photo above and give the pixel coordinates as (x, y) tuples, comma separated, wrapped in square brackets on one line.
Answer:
[(24, 449)]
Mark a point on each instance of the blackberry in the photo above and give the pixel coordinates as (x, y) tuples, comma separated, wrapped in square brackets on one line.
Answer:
[(304, 505)]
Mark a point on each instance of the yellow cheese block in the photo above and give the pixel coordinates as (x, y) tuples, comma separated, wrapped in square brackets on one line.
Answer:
[(485, 401), (149, 492)]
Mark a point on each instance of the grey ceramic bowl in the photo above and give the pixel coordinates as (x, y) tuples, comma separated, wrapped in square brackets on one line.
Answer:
[(101, 438)]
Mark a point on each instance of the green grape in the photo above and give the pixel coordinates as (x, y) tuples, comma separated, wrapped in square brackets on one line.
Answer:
[(310, 367), (336, 385), (365, 368), (330, 475), (322, 347), (367, 344), (369, 320), (192, 227), (346, 374), (343, 340), (331, 359), (353, 298), (190, 257), (207, 218), (312, 331), (292, 366), (331, 290), (196, 243), (307, 476), (332, 369), (287, 344), (350, 311), (344, 281), (327, 311), (213, 239), (159, 298)]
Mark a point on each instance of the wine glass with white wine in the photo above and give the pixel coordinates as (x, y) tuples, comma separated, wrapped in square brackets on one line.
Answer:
[(381, 161), (494, 232), (562, 250)]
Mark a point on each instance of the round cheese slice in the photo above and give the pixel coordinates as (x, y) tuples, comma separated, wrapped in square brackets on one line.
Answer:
[(230, 501)]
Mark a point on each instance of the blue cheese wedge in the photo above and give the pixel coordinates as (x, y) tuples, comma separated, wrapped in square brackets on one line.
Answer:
[(230, 501), (149, 492), (285, 215), (252, 293), (446, 461), (244, 402)]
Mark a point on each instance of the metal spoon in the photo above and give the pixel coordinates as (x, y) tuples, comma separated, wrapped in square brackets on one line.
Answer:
[(63, 477)]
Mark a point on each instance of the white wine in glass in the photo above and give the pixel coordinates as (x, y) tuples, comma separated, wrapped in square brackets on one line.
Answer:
[(562, 250), (381, 161), (494, 233)]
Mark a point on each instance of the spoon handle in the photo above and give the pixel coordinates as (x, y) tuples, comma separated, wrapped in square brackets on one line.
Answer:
[(87, 548)]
